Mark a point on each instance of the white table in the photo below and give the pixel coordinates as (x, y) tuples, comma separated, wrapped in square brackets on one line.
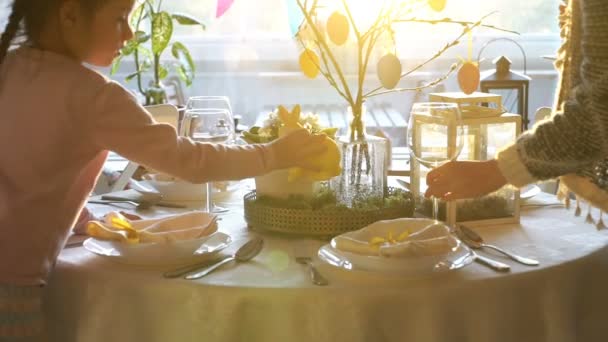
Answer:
[(271, 299)]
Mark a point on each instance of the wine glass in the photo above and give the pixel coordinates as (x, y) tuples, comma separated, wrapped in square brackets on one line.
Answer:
[(435, 136), (209, 125), (211, 102)]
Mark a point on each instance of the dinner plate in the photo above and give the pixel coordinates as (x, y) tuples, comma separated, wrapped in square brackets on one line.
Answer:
[(457, 257), (172, 253)]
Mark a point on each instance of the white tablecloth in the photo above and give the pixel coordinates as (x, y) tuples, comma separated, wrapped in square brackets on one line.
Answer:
[(271, 298)]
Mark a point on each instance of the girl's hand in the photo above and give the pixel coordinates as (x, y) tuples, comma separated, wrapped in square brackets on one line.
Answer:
[(295, 149), (464, 179)]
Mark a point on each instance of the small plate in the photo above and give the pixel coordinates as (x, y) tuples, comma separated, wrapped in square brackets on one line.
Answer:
[(178, 252), (529, 191)]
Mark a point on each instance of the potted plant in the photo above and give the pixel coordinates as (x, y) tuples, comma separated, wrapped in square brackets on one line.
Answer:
[(153, 34), (294, 181)]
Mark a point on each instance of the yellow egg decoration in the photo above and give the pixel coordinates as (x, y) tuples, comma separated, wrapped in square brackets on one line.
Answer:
[(389, 71), (338, 28), (437, 5), (468, 77), (309, 63)]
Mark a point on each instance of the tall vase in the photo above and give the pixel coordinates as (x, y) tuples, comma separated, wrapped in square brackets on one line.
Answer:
[(364, 165)]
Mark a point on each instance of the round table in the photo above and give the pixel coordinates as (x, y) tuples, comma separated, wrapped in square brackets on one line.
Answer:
[(271, 298)]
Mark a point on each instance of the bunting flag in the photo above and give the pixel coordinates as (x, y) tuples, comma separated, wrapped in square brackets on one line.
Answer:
[(222, 7), (294, 16)]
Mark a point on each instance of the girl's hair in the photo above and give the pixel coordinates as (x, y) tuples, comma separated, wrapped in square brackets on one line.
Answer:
[(28, 18), (12, 27)]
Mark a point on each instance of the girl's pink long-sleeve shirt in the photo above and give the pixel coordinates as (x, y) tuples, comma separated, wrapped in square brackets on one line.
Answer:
[(58, 119)]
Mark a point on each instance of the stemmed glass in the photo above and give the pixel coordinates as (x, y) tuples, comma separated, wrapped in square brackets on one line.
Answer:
[(435, 136), (210, 102), (209, 125)]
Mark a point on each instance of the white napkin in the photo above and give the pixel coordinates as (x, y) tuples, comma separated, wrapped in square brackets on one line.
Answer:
[(424, 239), (187, 226)]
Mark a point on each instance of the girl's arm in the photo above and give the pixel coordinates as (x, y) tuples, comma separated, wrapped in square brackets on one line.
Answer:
[(122, 125)]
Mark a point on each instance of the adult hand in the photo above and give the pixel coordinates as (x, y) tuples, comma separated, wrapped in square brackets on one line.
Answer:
[(464, 179), (296, 148)]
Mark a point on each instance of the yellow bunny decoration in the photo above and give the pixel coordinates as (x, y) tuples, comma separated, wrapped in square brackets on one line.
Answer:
[(328, 162)]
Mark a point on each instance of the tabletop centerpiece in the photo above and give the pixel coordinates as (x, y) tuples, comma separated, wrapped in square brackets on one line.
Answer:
[(299, 202), (327, 28)]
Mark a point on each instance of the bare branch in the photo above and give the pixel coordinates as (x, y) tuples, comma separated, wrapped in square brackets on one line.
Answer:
[(323, 45), (433, 83)]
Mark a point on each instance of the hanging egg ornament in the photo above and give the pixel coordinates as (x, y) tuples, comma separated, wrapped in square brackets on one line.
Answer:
[(437, 5), (389, 71), (309, 63), (468, 77), (338, 28)]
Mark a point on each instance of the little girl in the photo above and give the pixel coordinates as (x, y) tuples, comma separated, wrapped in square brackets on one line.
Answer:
[(574, 144), (60, 118)]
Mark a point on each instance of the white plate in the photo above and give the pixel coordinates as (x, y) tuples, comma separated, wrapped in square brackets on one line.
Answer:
[(181, 191), (529, 191), (458, 257), (178, 252)]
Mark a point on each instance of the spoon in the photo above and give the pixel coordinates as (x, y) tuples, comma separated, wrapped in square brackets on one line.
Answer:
[(475, 241), (245, 253)]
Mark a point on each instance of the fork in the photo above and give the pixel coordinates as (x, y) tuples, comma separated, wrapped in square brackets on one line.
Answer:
[(316, 277)]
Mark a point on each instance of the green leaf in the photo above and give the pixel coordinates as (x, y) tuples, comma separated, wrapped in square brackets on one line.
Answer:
[(115, 65), (186, 67), (133, 75), (139, 37), (186, 19), (162, 72), (145, 53), (139, 13), (162, 30)]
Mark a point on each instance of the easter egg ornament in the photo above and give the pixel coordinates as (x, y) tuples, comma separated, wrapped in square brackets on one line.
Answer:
[(437, 5), (338, 28), (309, 63), (468, 77), (389, 71)]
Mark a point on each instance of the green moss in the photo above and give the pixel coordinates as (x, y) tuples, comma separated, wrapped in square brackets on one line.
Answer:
[(325, 199)]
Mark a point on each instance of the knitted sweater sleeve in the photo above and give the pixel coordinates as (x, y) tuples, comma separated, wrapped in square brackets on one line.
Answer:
[(577, 136)]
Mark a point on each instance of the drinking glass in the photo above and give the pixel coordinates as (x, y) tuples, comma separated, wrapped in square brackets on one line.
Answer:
[(435, 136)]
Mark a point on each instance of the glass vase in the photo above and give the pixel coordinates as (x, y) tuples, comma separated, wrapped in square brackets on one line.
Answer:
[(364, 166)]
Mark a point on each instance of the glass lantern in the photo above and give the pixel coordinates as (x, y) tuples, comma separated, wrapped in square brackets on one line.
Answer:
[(484, 135)]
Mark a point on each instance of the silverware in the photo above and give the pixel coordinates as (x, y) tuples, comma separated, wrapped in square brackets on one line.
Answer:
[(137, 205), (245, 253), (474, 240), (493, 264), (148, 202), (316, 277), (178, 272)]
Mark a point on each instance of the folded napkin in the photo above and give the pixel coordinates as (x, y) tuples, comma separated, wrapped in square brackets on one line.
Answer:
[(187, 226), (398, 238)]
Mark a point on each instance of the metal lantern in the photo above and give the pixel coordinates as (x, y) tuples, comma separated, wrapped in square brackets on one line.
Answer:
[(486, 131), (513, 86)]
